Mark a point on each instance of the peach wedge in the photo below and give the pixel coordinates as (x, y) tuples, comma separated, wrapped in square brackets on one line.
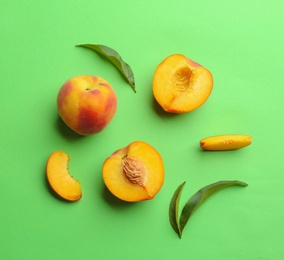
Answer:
[(59, 178), (134, 173), (181, 85), (225, 142)]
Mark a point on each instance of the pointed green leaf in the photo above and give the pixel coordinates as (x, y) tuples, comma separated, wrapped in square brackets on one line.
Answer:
[(200, 197), (174, 208), (115, 59)]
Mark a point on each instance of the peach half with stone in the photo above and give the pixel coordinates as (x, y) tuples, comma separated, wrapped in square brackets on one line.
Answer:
[(134, 173)]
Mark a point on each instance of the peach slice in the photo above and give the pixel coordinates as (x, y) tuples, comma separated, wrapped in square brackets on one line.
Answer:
[(59, 178), (134, 173), (225, 142), (181, 85)]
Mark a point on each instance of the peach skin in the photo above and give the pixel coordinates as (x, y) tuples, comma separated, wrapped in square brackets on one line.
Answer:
[(86, 104)]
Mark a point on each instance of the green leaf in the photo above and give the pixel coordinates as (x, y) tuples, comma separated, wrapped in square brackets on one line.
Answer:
[(115, 59), (174, 208), (200, 197), (178, 223)]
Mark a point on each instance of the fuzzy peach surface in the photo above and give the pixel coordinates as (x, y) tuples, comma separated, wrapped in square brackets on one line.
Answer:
[(86, 104)]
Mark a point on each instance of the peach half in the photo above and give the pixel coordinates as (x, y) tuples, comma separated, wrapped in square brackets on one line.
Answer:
[(134, 173), (59, 178), (181, 85)]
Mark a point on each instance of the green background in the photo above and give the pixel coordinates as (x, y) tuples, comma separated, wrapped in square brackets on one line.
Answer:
[(240, 42)]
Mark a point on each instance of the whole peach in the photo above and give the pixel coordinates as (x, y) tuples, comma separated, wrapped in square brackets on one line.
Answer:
[(86, 104)]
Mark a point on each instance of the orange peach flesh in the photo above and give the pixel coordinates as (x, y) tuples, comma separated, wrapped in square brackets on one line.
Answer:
[(124, 189), (59, 178), (181, 85)]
